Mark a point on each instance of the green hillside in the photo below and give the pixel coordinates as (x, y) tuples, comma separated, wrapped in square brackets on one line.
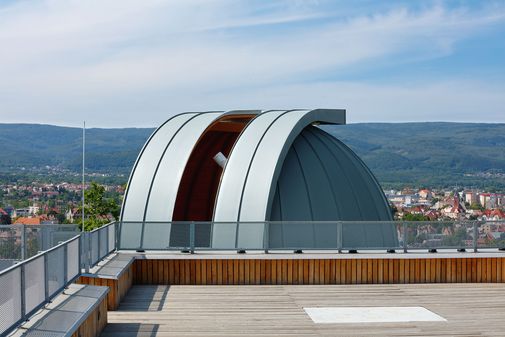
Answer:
[(415, 154)]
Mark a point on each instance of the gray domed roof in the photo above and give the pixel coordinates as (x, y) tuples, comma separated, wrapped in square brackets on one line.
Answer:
[(323, 180)]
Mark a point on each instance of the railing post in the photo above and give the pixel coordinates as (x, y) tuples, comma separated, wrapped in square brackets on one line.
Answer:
[(475, 233), (23, 242), (79, 252), (85, 251), (266, 236), (236, 234), (23, 299), (46, 277), (107, 248), (339, 236), (99, 244), (65, 263), (192, 237), (404, 234)]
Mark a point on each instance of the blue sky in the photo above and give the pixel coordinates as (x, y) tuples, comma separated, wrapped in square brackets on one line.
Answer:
[(136, 63)]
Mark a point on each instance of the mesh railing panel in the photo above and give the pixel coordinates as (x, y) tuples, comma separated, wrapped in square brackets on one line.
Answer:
[(112, 237), (10, 299), (94, 247), (491, 234), (34, 240), (73, 259), (34, 284), (102, 242), (56, 272), (10, 243)]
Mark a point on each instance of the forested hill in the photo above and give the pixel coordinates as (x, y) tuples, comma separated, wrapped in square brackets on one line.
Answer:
[(416, 154)]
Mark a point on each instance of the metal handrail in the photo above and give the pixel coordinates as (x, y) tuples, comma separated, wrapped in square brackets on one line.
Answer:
[(88, 238), (80, 260), (48, 296), (403, 229)]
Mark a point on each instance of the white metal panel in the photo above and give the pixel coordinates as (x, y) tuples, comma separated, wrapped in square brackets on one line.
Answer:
[(233, 178), (235, 171), (138, 186), (166, 181), (257, 187)]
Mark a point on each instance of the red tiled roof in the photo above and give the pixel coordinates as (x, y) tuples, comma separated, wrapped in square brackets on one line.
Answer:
[(27, 221)]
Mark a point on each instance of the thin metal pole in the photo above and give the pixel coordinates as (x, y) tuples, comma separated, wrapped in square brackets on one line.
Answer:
[(83, 166), (192, 237), (23, 242), (404, 229), (340, 239)]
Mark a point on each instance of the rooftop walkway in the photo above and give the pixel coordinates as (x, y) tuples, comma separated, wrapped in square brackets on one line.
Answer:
[(277, 310)]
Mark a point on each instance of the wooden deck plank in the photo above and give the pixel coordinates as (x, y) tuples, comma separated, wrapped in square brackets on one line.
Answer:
[(274, 310)]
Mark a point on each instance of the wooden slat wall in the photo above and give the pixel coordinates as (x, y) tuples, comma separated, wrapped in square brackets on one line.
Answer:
[(117, 287), (95, 323), (318, 271)]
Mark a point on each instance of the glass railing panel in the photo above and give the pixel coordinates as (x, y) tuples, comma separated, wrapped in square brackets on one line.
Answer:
[(491, 234), (157, 235)]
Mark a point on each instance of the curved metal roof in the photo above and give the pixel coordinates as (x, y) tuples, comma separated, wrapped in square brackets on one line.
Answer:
[(248, 181), (279, 167)]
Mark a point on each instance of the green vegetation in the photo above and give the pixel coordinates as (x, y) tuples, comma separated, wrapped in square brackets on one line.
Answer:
[(97, 207), (415, 217)]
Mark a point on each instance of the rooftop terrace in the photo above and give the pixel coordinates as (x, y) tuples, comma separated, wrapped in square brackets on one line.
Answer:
[(274, 310)]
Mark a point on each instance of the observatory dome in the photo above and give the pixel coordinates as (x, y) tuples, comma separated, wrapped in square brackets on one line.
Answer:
[(284, 180)]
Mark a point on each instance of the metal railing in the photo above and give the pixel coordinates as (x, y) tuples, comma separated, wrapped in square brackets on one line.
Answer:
[(38, 276), (312, 235), (20, 242), (32, 283), (97, 244)]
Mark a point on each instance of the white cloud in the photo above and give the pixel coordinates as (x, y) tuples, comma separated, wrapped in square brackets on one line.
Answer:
[(100, 60)]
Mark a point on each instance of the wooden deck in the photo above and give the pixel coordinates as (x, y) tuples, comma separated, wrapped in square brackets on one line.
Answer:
[(277, 310)]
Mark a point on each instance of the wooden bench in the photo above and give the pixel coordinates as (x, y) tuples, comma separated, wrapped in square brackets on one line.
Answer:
[(114, 272), (80, 311)]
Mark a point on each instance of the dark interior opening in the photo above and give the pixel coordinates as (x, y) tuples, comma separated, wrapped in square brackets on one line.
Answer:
[(198, 187)]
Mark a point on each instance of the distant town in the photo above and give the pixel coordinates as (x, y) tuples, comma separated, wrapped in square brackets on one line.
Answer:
[(433, 205), (445, 212), (47, 203), (53, 203)]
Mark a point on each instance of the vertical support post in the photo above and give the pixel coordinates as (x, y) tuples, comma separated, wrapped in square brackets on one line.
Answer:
[(475, 234), (23, 242), (99, 243), (65, 263), (404, 235), (237, 227), (192, 237), (107, 248), (266, 236), (340, 238), (79, 253), (83, 166), (115, 235), (23, 299), (142, 236), (90, 247), (46, 277), (85, 250)]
